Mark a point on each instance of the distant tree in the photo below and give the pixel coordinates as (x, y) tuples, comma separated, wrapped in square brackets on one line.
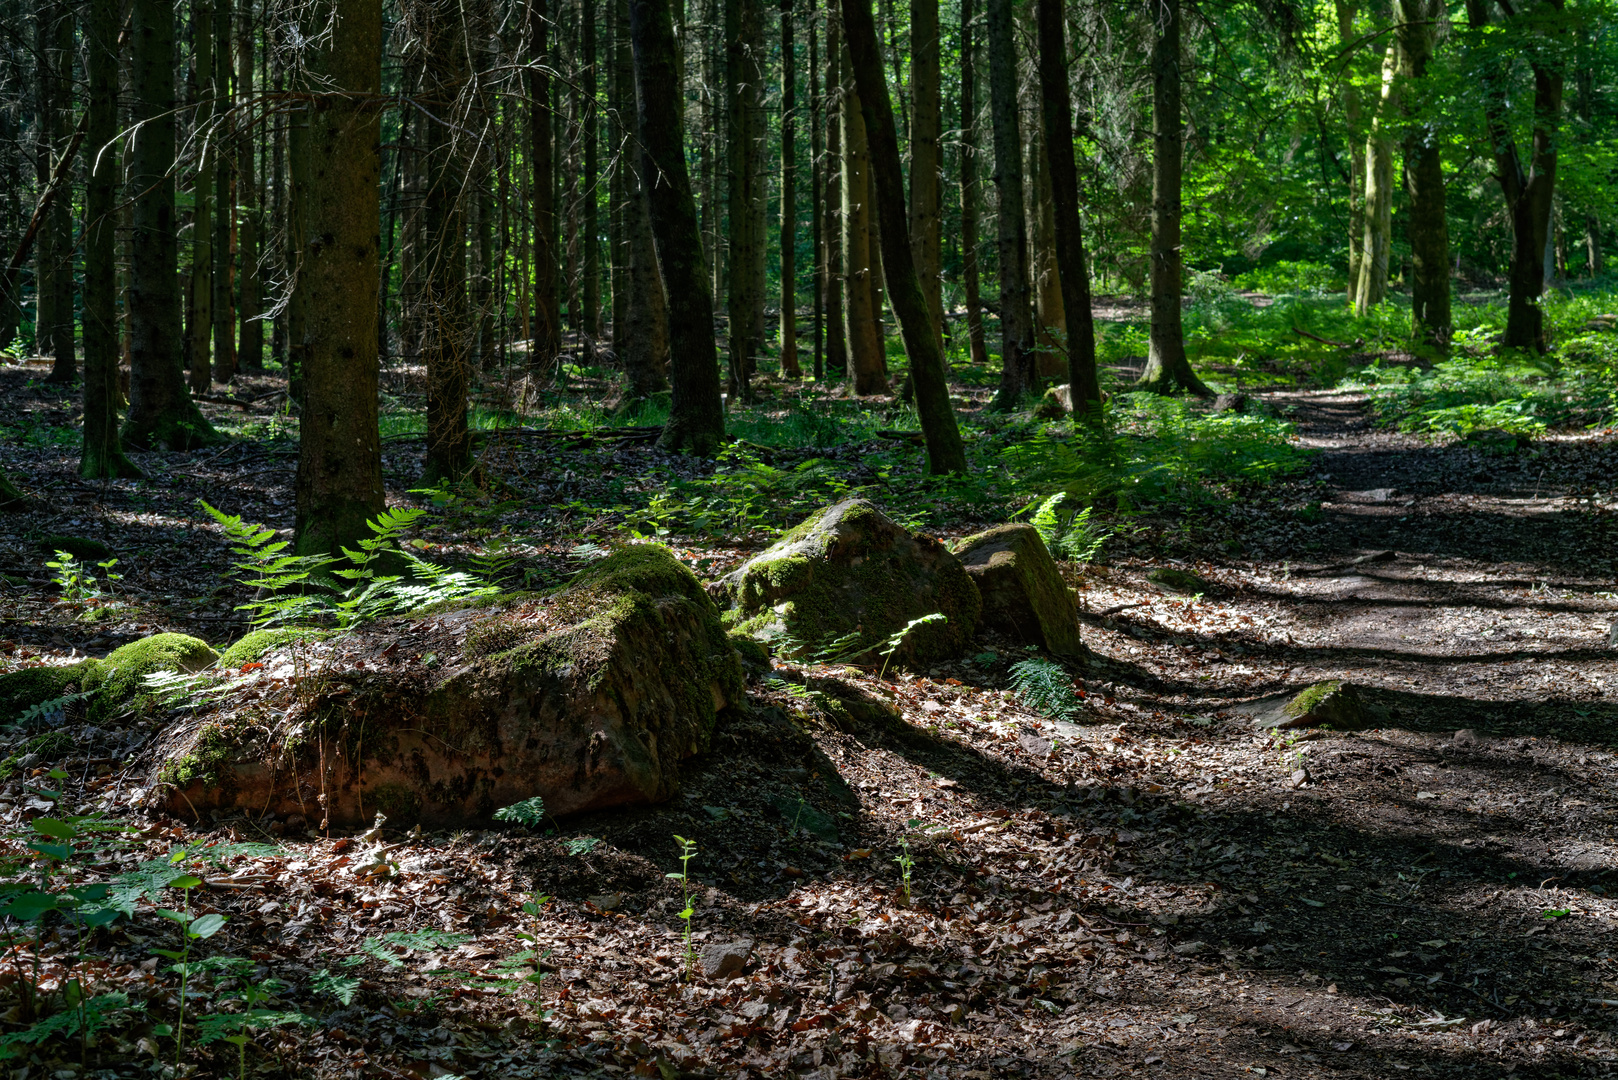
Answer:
[(1016, 317)]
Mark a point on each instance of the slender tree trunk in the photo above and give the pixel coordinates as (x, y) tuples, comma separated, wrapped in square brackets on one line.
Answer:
[(250, 353), (590, 224), (161, 413), (280, 255), (743, 76), (103, 455), (54, 329), (199, 312), (547, 344), (696, 417), (1016, 320), (339, 481), (864, 325), (1057, 108), (1377, 247), (1167, 368), (789, 197), (1346, 11), (945, 451), (644, 351), (1049, 314), (817, 217), (1424, 179), (224, 230), (969, 189), (833, 282), (926, 187), (618, 145), (482, 131)]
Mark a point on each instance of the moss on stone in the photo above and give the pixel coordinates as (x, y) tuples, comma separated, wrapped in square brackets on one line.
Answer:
[(121, 677), (22, 690), (208, 762), (1312, 698), (755, 658), (260, 643), (1179, 581), (492, 635)]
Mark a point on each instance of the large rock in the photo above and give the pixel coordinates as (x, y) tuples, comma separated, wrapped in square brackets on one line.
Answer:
[(113, 684), (1331, 704), (588, 697), (851, 570), (1023, 593)]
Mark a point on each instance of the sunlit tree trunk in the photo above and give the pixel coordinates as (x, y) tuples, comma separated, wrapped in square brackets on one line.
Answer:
[(339, 480), (1167, 368), (945, 451), (789, 197), (1346, 10), (862, 317), (1016, 318), (1376, 248), (250, 348), (969, 189), (833, 283), (926, 187), (1424, 178), (696, 418)]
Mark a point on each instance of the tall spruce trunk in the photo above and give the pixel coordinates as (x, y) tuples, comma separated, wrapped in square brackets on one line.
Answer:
[(53, 281), (1167, 369), (1376, 248), (970, 282), (590, 132), (224, 224), (1016, 318), (696, 416), (1057, 111), (817, 217), (832, 284), (926, 184), (339, 481), (1050, 315), (644, 350), (1424, 179), (547, 309), (788, 328), (945, 451), (484, 353), (199, 309), (744, 136), (161, 412), (103, 454), (250, 290), (863, 317)]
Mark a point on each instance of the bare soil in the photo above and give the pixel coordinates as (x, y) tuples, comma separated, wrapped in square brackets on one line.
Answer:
[(1157, 890)]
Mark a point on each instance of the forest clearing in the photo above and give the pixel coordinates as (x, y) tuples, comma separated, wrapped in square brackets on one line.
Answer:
[(720, 539)]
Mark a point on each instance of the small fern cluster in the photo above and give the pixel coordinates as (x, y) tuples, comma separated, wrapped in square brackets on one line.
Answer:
[(1068, 534), (1046, 688)]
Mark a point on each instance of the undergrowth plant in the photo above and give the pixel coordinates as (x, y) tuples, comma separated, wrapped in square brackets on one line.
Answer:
[(893, 643), (1046, 688), (1068, 534), (688, 851)]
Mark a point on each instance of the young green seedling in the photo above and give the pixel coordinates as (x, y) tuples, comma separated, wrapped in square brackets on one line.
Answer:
[(688, 851), (198, 929)]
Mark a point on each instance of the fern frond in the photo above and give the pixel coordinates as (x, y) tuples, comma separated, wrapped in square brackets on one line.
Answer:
[(1046, 688)]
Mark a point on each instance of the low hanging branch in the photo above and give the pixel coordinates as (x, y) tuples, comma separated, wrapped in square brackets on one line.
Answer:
[(8, 283)]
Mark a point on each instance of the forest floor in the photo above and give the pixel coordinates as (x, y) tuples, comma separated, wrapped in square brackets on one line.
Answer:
[(1157, 890)]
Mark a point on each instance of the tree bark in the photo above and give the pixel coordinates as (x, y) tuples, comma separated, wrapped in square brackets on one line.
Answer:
[(1376, 248), (832, 282), (53, 282), (926, 188), (696, 418), (1346, 10), (199, 310), (547, 344), (250, 305), (161, 413), (1167, 368), (969, 190), (1084, 388), (1424, 179), (862, 318), (945, 451), (1050, 315), (339, 481), (103, 454), (743, 76), (590, 225), (789, 198), (1016, 318), (817, 220), (224, 224)]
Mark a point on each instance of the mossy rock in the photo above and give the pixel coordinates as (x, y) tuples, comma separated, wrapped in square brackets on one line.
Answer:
[(258, 644), (1024, 596), (80, 547), (849, 569), (589, 696), (120, 679), (1179, 581), (1055, 403), (23, 689), (754, 657), (1333, 703)]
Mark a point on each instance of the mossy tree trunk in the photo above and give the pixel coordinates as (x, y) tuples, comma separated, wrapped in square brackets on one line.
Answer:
[(103, 455), (339, 481), (1377, 246), (945, 451), (1016, 316), (696, 419)]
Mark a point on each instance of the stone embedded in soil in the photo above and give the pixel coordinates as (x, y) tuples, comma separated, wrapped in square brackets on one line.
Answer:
[(113, 684), (847, 570), (588, 697), (798, 814), (724, 958), (1230, 403), (1179, 581), (1023, 593), (1334, 703)]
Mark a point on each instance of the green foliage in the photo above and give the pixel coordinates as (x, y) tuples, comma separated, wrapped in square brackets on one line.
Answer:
[(1287, 276), (529, 812), (1068, 535), (1512, 391), (688, 851), (1046, 688), (76, 581), (340, 987), (893, 643)]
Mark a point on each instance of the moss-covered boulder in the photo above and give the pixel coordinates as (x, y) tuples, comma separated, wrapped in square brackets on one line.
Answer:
[(1179, 581), (21, 690), (1023, 593), (1333, 703), (114, 683), (589, 696), (254, 646), (850, 570)]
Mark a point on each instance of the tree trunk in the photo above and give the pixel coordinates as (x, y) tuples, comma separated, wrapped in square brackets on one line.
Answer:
[(743, 75), (199, 310), (1167, 368), (622, 122), (161, 413), (1528, 191), (817, 221), (832, 280), (53, 327), (103, 455), (644, 351), (1049, 314), (250, 335), (789, 198), (1424, 180), (590, 224), (945, 451), (1084, 389), (1377, 246), (696, 418), (224, 231), (445, 323), (547, 345), (339, 481), (486, 166), (1346, 11), (926, 188), (864, 327), (1016, 320), (969, 190)]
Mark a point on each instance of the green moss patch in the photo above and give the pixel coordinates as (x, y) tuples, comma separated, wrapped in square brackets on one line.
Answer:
[(22, 690), (121, 677), (260, 643)]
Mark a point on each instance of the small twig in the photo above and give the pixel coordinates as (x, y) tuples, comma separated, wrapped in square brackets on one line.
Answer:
[(1316, 337)]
